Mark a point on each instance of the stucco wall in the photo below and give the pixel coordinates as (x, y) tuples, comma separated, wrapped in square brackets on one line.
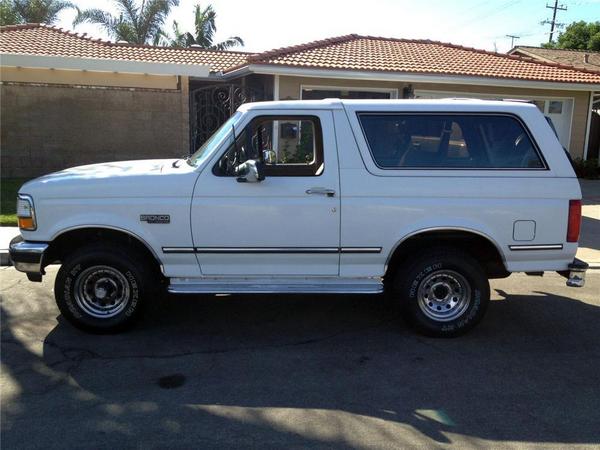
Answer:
[(48, 127), (87, 78), (289, 88)]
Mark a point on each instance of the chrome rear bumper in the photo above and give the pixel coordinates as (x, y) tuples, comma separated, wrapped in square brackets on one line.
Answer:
[(28, 256)]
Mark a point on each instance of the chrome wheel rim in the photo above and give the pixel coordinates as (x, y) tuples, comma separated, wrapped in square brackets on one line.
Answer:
[(101, 291), (444, 295)]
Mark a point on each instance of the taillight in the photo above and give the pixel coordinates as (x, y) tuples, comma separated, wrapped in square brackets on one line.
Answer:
[(574, 223)]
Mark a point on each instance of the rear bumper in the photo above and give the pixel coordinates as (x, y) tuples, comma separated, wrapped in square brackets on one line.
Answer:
[(575, 275), (28, 256)]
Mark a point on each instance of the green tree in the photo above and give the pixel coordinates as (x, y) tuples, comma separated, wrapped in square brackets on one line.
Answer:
[(31, 11), (136, 23), (205, 28), (8, 13), (578, 36)]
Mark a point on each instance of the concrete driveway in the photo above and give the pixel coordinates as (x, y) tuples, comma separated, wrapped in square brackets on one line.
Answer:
[(589, 242), (298, 372)]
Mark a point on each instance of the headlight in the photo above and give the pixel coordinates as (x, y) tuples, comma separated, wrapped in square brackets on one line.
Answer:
[(26, 213)]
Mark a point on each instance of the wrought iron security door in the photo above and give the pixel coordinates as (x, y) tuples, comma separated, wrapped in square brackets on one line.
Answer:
[(212, 105)]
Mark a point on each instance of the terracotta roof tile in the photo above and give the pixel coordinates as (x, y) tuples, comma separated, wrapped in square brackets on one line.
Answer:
[(368, 53), (37, 39), (350, 52)]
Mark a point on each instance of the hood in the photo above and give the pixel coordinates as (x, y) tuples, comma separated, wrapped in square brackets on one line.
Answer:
[(109, 169), (150, 177)]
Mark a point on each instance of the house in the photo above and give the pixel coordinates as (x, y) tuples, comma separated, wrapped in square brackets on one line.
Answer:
[(581, 59), (67, 99)]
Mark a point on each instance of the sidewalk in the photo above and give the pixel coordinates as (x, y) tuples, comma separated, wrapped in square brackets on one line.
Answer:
[(589, 243), (6, 235)]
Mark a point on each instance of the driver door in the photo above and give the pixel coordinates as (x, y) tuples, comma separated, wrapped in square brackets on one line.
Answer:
[(287, 224)]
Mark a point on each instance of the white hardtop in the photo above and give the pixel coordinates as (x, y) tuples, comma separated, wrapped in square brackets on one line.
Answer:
[(424, 105)]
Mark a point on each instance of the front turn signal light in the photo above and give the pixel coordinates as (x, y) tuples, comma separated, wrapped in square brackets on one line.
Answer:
[(26, 223), (26, 213)]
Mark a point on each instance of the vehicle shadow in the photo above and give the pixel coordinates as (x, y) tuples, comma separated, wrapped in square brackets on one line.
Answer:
[(285, 372)]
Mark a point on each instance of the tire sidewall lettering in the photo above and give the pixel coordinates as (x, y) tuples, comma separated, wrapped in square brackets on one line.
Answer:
[(135, 293), (68, 291), (422, 274)]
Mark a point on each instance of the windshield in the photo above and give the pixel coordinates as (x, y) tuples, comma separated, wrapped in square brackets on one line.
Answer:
[(198, 157)]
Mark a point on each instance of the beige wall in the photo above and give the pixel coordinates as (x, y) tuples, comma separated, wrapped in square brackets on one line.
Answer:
[(289, 88), (80, 77), (48, 127)]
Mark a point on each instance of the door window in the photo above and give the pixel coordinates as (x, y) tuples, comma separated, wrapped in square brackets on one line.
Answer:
[(288, 146)]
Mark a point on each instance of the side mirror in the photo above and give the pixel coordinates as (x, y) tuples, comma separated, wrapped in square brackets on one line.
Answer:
[(250, 171), (269, 157)]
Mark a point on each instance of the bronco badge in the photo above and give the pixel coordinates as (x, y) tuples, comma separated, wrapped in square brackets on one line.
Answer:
[(155, 218)]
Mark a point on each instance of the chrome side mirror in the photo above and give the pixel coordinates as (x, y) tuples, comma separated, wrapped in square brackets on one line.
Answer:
[(269, 157), (250, 171)]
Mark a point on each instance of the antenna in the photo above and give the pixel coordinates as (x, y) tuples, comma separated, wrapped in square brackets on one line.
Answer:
[(512, 39)]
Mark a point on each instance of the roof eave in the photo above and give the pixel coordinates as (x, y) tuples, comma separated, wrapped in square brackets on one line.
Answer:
[(270, 69), (103, 65)]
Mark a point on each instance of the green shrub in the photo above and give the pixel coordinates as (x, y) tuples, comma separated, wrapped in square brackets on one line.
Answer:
[(587, 168)]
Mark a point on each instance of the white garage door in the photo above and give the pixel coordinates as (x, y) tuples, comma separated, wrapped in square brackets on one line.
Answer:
[(559, 109)]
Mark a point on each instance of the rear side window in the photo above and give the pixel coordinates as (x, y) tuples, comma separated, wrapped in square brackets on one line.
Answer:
[(449, 141)]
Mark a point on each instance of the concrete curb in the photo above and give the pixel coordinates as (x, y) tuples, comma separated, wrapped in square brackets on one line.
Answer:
[(4, 258), (6, 235)]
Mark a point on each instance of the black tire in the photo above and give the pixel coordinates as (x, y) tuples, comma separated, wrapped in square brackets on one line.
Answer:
[(443, 292), (96, 275)]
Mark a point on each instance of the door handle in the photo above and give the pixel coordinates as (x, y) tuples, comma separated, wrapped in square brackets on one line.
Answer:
[(321, 191)]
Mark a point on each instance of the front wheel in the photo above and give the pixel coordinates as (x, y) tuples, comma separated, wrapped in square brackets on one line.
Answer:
[(102, 288), (443, 292)]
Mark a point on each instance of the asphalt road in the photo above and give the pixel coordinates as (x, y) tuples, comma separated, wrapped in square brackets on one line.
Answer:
[(297, 372)]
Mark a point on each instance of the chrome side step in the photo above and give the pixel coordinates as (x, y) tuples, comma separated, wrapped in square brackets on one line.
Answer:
[(288, 285)]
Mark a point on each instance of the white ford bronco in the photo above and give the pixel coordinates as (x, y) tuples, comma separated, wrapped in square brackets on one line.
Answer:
[(425, 199)]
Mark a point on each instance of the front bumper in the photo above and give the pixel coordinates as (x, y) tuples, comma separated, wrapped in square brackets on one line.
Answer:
[(28, 256), (576, 274)]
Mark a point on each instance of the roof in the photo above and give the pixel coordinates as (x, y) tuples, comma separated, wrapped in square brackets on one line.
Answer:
[(575, 58), (44, 40), (457, 104), (349, 53), (368, 53)]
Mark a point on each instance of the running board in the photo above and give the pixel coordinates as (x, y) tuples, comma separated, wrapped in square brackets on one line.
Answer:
[(291, 285)]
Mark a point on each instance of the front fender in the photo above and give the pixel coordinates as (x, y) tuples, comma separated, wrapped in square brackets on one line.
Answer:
[(57, 216)]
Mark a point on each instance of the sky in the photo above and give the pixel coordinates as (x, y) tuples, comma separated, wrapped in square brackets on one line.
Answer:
[(269, 24)]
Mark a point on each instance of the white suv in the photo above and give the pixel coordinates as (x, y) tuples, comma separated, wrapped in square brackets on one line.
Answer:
[(424, 199)]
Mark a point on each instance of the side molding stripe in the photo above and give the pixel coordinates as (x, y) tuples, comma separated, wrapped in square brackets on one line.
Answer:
[(517, 248), (178, 250), (270, 250), (226, 250)]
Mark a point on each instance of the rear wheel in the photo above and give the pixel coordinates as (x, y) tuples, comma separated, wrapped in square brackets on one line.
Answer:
[(443, 292), (102, 288)]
